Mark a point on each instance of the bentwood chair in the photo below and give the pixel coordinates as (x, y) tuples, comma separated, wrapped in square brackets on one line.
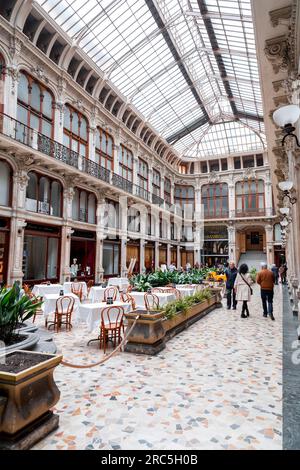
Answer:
[(151, 301), (173, 290), (63, 313), (125, 297), (157, 290), (111, 291), (89, 286), (76, 288), (35, 300), (111, 326)]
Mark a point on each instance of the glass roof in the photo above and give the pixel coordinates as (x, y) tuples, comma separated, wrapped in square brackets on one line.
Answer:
[(179, 62)]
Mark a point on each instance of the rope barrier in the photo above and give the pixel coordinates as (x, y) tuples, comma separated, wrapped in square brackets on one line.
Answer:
[(88, 366)]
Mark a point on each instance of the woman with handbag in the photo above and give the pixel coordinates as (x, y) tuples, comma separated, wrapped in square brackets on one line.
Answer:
[(243, 289)]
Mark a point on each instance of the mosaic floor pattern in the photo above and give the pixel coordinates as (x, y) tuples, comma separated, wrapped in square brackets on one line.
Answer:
[(215, 386)]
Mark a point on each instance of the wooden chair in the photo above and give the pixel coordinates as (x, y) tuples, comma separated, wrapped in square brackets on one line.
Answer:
[(27, 289), (111, 291), (157, 290), (125, 297), (63, 313), (89, 286), (76, 288), (39, 311), (172, 290), (151, 301), (111, 326)]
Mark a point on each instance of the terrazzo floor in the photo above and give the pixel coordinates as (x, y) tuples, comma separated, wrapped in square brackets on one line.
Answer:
[(215, 386)]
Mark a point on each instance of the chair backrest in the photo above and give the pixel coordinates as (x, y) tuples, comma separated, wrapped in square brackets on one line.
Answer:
[(172, 290), (151, 301), (65, 304), (27, 289), (125, 297), (90, 284), (111, 291), (112, 317), (76, 288), (157, 289)]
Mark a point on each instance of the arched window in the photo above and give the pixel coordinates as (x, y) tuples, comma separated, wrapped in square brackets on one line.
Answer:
[(133, 220), (43, 195), (75, 131), (5, 183), (104, 149), (84, 206), (35, 105), (250, 197), (215, 200)]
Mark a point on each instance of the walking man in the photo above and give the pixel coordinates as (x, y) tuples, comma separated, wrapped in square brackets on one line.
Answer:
[(231, 273), (266, 280)]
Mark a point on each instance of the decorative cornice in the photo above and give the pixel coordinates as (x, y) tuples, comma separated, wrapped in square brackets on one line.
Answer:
[(279, 14), (39, 72), (277, 51)]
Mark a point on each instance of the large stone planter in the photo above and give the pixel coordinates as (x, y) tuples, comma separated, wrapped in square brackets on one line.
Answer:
[(27, 342), (182, 320), (152, 330), (26, 398), (147, 337)]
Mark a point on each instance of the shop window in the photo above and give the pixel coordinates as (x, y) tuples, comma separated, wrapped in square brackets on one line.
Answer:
[(237, 163), (40, 260), (133, 220), (259, 160), (214, 165), (248, 161), (111, 257), (204, 167), (224, 164)]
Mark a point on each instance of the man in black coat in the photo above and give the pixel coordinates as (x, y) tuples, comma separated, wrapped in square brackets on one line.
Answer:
[(231, 273)]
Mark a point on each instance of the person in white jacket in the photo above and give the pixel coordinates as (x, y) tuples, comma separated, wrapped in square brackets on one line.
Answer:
[(243, 289)]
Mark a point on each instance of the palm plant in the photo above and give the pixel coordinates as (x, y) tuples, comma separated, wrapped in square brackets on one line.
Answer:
[(14, 310)]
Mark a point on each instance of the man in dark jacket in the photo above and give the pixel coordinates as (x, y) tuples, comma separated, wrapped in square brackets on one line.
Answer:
[(231, 273)]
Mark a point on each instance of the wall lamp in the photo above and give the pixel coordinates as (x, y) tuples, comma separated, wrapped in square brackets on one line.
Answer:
[(286, 187), (285, 117)]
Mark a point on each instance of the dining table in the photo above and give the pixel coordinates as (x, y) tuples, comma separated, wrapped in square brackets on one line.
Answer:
[(96, 294), (163, 297), (91, 313), (40, 290), (121, 282), (68, 287), (49, 305)]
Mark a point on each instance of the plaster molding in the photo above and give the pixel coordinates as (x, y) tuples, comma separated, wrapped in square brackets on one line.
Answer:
[(281, 15), (277, 51)]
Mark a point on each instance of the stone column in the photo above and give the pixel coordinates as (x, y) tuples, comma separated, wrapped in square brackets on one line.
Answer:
[(142, 256), (232, 243), (65, 258), (99, 271), (15, 262), (156, 256), (168, 254), (269, 244), (178, 256), (268, 198), (124, 269), (231, 199)]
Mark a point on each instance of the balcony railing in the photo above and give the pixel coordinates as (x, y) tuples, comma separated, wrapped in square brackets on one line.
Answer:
[(122, 183), (217, 215), (157, 200), (40, 142), (142, 193), (255, 212)]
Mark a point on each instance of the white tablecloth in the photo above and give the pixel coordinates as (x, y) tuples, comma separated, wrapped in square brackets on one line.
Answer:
[(186, 291), (121, 282), (91, 313), (97, 294), (44, 289), (68, 287), (49, 305), (162, 297)]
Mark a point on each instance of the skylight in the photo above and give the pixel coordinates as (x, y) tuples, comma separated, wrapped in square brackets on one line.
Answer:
[(179, 62)]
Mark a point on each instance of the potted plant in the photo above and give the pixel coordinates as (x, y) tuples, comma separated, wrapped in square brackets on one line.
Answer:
[(15, 309), (27, 387)]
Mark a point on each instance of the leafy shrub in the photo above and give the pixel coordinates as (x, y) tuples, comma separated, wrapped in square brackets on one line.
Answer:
[(183, 304), (14, 309)]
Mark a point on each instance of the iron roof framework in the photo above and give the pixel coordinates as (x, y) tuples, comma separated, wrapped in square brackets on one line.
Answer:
[(189, 66)]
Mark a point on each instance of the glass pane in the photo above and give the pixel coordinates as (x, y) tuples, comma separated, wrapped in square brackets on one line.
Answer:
[(47, 104), (35, 101), (56, 199), (23, 88), (34, 257), (52, 258), (5, 183)]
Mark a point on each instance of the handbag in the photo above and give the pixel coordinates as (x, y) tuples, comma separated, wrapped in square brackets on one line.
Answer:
[(251, 290)]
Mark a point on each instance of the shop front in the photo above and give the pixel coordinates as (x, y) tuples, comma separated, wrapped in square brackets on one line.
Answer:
[(187, 257), (150, 257), (41, 253), (215, 246), (174, 255), (162, 254), (4, 248), (83, 255), (133, 252)]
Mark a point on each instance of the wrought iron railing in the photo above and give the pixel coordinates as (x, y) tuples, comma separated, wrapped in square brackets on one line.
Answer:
[(122, 183), (32, 138)]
